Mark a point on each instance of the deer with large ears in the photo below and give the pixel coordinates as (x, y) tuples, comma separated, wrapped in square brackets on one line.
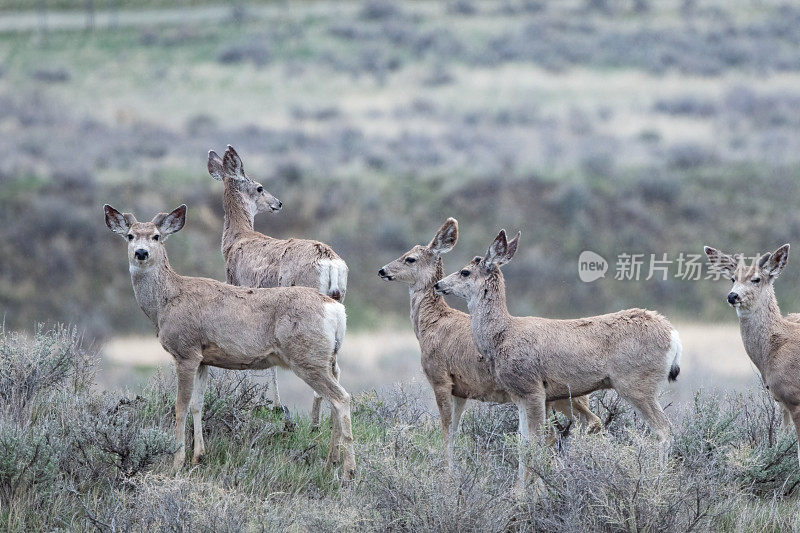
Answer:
[(537, 359), (253, 259), (771, 340), (452, 364), (202, 322)]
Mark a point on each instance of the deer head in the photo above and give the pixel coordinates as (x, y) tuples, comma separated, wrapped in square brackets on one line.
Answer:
[(419, 263), (145, 239), (230, 169), (752, 284), (472, 280)]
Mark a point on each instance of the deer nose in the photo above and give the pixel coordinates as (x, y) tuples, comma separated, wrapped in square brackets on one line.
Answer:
[(280, 204), (141, 254), (733, 298), (382, 272)]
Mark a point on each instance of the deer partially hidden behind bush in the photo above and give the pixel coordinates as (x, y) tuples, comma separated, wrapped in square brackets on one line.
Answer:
[(253, 259), (536, 359), (202, 322), (455, 369), (772, 341)]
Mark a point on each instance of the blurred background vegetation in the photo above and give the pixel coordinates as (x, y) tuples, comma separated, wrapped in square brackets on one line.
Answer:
[(614, 126)]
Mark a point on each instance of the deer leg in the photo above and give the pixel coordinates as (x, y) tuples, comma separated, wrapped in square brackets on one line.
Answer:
[(786, 422), (325, 383), (442, 395), (458, 405), (334, 455), (186, 371), (196, 406), (272, 375), (524, 437), (654, 415), (536, 417), (796, 419), (340, 406), (315, 411), (593, 422), (532, 417)]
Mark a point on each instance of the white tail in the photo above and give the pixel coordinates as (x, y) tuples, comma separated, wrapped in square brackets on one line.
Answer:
[(333, 278), (674, 356)]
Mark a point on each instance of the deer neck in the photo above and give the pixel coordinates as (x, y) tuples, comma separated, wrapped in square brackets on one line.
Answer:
[(489, 318), (426, 306), (757, 326), (153, 287), (238, 218)]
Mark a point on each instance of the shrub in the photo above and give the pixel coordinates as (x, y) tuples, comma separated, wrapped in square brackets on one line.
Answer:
[(27, 462), (49, 360)]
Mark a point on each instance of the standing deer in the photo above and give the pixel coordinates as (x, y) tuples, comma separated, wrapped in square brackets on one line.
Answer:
[(455, 369), (253, 259), (202, 322), (536, 359), (772, 341)]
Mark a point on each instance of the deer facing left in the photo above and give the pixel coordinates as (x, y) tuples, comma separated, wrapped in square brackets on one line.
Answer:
[(253, 259), (202, 322)]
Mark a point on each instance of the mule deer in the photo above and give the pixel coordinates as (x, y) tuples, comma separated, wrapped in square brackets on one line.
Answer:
[(253, 259), (536, 359), (772, 341), (455, 369), (202, 322)]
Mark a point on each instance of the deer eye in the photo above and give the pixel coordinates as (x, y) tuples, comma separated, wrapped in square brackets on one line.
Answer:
[(130, 236), (733, 280), (260, 189), (410, 260), (465, 273), (155, 237), (755, 280)]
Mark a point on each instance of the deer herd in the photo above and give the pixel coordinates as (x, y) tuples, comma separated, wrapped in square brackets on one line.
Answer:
[(282, 306)]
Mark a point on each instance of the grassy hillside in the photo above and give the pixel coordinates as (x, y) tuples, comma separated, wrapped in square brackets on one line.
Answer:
[(606, 126), (99, 461)]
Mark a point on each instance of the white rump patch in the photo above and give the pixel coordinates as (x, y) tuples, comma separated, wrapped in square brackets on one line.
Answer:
[(332, 276), (335, 323)]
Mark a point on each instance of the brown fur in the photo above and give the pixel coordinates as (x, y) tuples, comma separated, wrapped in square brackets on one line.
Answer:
[(536, 359), (452, 364), (253, 259), (203, 322), (772, 341)]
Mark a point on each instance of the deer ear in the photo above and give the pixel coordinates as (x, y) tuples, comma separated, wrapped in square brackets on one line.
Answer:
[(446, 238), (169, 223), (721, 261), (232, 164), (512, 247), (215, 165), (497, 249), (777, 261), (117, 222)]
